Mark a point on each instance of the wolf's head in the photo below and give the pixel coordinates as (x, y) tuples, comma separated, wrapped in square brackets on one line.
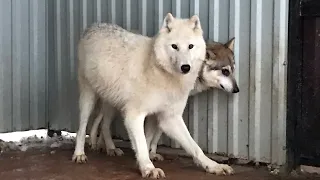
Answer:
[(218, 68), (179, 46)]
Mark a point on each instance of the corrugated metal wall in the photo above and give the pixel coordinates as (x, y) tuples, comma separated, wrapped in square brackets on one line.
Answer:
[(23, 65), (249, 125)]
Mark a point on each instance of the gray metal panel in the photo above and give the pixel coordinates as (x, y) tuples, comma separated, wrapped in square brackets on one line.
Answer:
[(69, 19), (20, 61), (5, 66), (52, 110), (279, 86), (218, 100), (62, 65), (261, 107), (238, 111), (119, 12), (142, 16), (253, 41), (23, 62), (38, 64), (134, 18), (73, 33), (127, 14), (87, 11)]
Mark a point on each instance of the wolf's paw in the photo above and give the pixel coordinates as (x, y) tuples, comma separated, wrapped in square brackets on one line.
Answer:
[(220, 169), (154, 173), (155, 157), (115, 152), (82, 158)]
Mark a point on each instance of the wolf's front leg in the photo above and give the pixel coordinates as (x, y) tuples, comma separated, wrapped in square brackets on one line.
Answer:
[(134, 123), (174, 127)]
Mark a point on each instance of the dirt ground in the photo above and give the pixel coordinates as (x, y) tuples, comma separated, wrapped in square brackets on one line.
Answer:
[(46, 164)]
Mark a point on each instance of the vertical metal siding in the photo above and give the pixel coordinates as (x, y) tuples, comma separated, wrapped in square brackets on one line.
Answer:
[(279, 103), (21, 62), (38, 68), (218, 100), (260, 108), (5, 67), (23, 65), (38, 63), (238, 106), (68, 18)]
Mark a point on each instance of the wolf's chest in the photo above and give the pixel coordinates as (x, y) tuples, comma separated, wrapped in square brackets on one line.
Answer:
[(159, 101)]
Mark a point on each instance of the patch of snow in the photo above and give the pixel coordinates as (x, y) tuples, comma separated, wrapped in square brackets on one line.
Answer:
[(23, 140), (19, 135)]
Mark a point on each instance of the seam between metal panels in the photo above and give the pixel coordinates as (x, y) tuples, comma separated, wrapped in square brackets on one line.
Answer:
[(272, 85), (46, 65), (29, 89), (249, 82), (11, 65)]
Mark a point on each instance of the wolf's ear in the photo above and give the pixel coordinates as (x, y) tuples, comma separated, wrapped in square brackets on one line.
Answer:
[(230, 44), (166, 26), (210, 55), (196, 22)]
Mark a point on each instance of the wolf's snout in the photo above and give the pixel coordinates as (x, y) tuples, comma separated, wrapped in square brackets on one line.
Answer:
[(185, 68), (235, 90)]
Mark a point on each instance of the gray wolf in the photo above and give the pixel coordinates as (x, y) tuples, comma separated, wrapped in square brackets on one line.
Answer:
[(141, 76)]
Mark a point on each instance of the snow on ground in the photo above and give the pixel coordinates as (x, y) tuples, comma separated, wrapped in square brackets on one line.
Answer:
[(23, 140), (20, 135)]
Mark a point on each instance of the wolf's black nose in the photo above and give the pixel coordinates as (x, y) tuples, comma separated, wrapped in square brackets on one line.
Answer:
[(185, 68), (235, 90)]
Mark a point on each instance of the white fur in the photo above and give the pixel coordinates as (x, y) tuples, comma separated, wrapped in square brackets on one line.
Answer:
[(141, 76), (210, 79)]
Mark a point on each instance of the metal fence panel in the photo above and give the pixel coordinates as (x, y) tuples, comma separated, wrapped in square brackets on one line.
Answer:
[(23, 62), (5, 66), (238, 109)]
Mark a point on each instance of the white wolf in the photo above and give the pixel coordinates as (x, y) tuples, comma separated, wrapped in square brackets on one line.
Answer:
[(141, 76), (217, 71)]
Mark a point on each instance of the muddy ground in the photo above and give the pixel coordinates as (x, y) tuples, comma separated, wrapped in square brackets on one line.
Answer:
[(48, 164)]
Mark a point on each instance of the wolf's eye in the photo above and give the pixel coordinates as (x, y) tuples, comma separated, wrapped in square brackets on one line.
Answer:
[(225, 72), (191, 46), (174, 46)]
